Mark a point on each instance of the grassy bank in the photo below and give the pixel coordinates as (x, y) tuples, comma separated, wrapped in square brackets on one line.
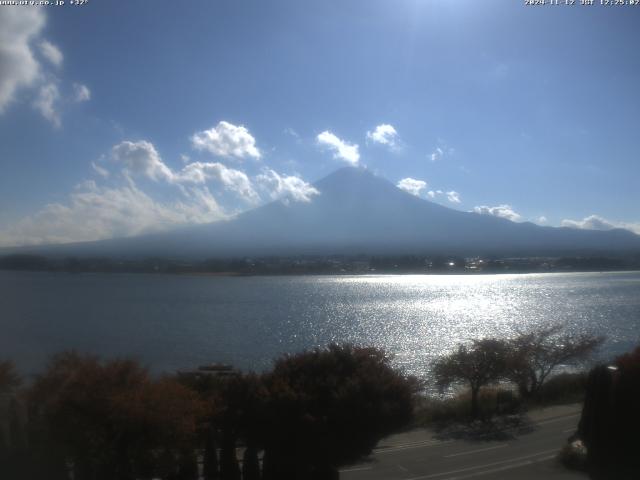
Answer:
[(564, 388)]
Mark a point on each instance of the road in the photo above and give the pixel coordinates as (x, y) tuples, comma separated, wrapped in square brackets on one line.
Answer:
[(526, 452)]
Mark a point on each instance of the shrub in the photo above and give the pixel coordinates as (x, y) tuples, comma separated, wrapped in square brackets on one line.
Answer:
[(455, 409), (562, 388), (109, 420), (329, 407)]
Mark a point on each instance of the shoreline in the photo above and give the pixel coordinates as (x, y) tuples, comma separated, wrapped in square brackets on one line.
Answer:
[(321, 274)]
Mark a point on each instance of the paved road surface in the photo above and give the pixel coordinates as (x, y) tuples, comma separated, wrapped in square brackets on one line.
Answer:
[(526, 452)]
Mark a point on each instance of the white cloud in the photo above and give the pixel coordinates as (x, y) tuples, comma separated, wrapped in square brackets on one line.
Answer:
[(226, 140), (596, 222), (436, 155), (18, 66), (93, 213), (51, 53), (453, 197), (541, 220), (121, 208), (20, 69), (592, 222), (141, 158), (103, 172), (502, 211), (233, 180), (285, 186), (46, 103), (412, 185), (341, 149), (384, 134), (291, 132), (81, 93)]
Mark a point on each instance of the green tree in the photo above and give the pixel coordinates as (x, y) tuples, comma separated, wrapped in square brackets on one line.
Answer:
[(479, 364)]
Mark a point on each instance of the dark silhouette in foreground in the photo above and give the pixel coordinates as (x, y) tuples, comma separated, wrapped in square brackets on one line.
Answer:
[(330, 407), (610, 419), (90, 419)]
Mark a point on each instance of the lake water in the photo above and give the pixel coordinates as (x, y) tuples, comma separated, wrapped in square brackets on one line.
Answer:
[(173, 321)]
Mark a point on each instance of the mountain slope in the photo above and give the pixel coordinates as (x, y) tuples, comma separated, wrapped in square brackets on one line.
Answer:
[(357, 212)]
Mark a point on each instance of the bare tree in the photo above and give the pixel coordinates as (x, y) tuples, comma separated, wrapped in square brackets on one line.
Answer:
[(480, 364), (532, 356)]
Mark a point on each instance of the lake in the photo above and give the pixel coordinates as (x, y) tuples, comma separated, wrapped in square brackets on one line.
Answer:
[(176, 321)]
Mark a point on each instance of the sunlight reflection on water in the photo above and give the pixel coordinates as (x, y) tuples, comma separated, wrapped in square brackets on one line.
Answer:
[(420, 317), (182, 321)]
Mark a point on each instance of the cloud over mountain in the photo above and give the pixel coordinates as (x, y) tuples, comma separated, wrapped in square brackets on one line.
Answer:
[(596, 222), (355, 211), (342, 150), (502, 211), (453, 197), (412, 185), (285, 186), (117, 203), (94, 212)]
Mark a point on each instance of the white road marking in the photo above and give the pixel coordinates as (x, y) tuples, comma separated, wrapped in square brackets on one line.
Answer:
[(476, 467), (558, 419), (469, 452), (408, 446), (355, 469)]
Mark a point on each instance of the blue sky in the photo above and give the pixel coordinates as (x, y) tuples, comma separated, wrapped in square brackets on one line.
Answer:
[(118, 118)]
